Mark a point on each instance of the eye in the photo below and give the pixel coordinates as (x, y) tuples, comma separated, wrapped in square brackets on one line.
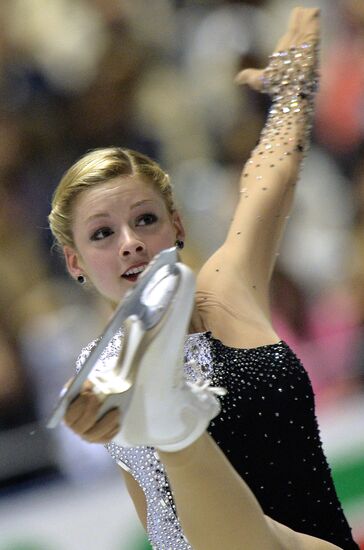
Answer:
[(146, 219), (101, 234)]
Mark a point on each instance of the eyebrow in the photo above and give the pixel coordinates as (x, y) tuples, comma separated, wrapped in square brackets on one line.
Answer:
[(141, 202), (106, 215)]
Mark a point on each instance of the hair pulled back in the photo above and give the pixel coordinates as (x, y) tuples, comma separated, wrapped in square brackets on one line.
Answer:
[(94, 168)]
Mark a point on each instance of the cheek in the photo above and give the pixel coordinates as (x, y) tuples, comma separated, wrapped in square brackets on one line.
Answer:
[(102, 278), (166, 240), (169, 235), (97, 266)]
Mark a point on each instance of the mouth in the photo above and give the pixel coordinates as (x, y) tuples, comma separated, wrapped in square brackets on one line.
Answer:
[(133, 273)]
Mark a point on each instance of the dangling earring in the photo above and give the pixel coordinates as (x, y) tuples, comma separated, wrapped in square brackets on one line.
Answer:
[(179, 244), (81, 279)]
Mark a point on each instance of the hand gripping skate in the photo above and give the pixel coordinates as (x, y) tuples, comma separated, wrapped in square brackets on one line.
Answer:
[(147, 382)]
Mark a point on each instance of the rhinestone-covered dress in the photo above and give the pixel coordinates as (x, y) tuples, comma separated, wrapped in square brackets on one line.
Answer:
[(267, 429)]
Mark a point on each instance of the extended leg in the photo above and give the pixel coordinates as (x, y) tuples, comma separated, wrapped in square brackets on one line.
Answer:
[(216, 508)]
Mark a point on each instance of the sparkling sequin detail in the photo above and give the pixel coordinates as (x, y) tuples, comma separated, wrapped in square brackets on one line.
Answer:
[(267, 428), (291, 79), (164, 530)]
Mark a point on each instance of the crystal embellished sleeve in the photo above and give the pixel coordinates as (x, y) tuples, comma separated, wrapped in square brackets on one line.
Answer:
[(269, 176), (291, 79)]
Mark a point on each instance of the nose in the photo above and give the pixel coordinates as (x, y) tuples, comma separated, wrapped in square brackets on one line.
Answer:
[(131, 245)]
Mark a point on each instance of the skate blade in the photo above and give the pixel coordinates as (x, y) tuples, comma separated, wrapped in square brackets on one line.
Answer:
[(145, 301)]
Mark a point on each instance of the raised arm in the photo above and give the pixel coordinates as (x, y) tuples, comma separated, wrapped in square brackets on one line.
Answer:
[(247, 257)]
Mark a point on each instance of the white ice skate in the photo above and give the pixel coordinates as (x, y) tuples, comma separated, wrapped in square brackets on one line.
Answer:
[(158, 408)]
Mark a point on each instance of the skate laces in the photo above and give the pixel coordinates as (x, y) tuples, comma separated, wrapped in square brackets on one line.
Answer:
[(200, 385), (203, 388)]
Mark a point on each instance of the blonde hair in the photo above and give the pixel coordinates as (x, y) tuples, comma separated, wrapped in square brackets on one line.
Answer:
[(100, 166)]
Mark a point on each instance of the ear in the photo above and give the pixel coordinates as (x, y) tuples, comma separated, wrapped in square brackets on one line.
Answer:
[(73, 263), (178, 225)]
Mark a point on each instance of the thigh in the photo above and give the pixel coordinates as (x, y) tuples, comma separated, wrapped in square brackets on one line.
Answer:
[(291, 540)]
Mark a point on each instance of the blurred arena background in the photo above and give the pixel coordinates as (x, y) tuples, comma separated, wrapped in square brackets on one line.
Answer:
[(158, 76)]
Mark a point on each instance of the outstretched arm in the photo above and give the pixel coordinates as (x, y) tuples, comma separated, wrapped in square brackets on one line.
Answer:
[(269, 177), (246, 259)]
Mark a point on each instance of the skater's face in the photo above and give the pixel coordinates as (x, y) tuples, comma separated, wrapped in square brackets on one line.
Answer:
[(118, 227)]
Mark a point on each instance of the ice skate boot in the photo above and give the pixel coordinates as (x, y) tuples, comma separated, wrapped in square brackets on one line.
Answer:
[(158, 407)]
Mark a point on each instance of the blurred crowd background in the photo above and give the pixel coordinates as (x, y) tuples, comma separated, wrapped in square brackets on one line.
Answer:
[(157, 76)]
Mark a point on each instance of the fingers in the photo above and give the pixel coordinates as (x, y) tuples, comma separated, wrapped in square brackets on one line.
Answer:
[(105, 429), (81, 417), (82, 412), (303, 26), (309, 28), (87, 386), (251, 77), (294, 20)]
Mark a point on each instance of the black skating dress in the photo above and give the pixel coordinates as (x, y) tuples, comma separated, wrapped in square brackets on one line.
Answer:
[(267, 429)]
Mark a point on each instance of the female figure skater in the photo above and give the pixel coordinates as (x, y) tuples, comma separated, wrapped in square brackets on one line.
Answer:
[(257, 478)]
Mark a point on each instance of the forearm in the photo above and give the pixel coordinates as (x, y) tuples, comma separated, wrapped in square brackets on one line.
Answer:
[(275, 162), (269, 177)]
